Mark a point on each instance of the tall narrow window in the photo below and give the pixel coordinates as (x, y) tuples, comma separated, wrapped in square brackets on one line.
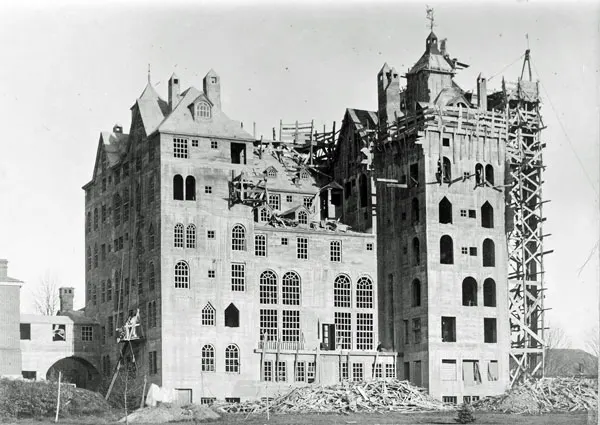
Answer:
[(232, 316), (489, 174), (178, 236), (125, 214), (274, 201), (190, 236), (151, 188), (190, 188), (415, 210), (208, 315), (446, 250), (445, 211), (151, 277), (138, 198), (416, 293), (117, 209), (364, 331), (487, 216), (238, 238), (478, 173), (202, 110), (88, 261), (238, 277), (268, 324), (335, 251), (489, 293), (182, 275), (363, 190), (88, 222), (342, 291), (290, 326), (95, 256), (416, 250), (151, 237), (489, 253), (469, 292), (364, 293), (268, 287), (290, 289), (260, 245), (232, 359), (180, 148), (208, 358), (447, 170), (178, 187), (302, 248), (489, 330), (95, 218), (343, 330), (448, 329), (302, 217)]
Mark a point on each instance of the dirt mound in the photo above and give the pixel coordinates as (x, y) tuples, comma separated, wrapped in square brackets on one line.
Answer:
[(38, 398), (167, 412), (370, 396), (544, 396)]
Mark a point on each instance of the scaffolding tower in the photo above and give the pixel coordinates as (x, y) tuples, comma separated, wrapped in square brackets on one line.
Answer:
[(524, 220)]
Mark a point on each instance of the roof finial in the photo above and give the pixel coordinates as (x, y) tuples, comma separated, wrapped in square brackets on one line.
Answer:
[(430, 17), (149, 74)]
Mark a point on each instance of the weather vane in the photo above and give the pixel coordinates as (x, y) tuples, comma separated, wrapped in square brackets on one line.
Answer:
[(430, 16)]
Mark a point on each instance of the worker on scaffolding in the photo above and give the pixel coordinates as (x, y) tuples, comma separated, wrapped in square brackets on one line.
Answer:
[(129, 331)]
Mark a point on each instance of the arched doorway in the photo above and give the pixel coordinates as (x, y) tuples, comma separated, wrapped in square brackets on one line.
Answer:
[(75, 370)]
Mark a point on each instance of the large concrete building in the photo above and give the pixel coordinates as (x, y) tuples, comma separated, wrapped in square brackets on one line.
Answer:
[(230, 250)]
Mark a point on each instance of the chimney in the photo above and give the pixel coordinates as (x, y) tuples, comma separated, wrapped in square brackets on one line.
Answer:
[(3, 269), (66, 299), (173, 91), (118, 129), (481, 92), (212, 88)]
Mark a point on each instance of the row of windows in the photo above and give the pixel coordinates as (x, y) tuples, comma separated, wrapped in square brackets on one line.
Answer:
[(447, 251), (364, 335), (143, 274), (469, 292), (58, 332), (99, 255), (180, 146), (448, 330), (232, 358), (445, 213), (305, 371)]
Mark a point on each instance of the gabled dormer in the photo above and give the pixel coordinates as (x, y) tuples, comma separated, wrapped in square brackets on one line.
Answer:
[(201, 108), (270, 172)]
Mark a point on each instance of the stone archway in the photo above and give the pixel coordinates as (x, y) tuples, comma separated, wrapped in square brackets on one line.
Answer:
[(76, 370)]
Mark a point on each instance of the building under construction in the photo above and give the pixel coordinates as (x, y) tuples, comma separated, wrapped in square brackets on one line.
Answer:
[(405, 244)]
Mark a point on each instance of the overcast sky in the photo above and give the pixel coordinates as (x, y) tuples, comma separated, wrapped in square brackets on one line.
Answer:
[(70, 71)]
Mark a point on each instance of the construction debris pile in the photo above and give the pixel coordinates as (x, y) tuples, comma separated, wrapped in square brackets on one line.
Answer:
[(167, 412), (544, 396), (346, 397)]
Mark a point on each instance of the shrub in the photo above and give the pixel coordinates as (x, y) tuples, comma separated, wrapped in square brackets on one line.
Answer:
[(465, 414)]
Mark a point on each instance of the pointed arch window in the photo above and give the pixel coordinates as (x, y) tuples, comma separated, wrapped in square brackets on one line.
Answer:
[(445, 211), (478, 173), (469, 292), (447, 170), (190, 236), (489, 174), (208, 358), (178, 236), (178, 187), (446, 250), (268, 287), (190, 188), (489, 292), (342, 292), (232, 316), (364, 293), (232, 359), (208, 315), (489, 253), (290, 289), (182, 275), (487, 216), (238, 238)]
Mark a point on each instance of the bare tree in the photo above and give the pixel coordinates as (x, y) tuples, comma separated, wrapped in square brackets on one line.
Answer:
[(593, 342), (46, 299), (557, 338)]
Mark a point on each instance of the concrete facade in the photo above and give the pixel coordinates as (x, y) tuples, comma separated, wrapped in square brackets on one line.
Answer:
[(10, 301)]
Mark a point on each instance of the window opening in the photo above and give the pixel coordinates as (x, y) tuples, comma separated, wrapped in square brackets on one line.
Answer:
[(416, 252), (487, 216), (178, 187), (208, 315), (415, 210), (335, 251), (302, 217), (416, 328), (469, 292), (190, 236), (178, 236), (238, 153), (208, 358), (343, 330), (489, 293), (489, 330), (364, 293), (232, 359), (302, 248), (238, 277), (363, 190), (416, 293), (290, 289), (364, 331), (446, 250), (488, 253), (182, 275), (268, 287), (448, 329), (478, 174), (342, 291), (268, 324), (274, 201), (180, 148), (190, 188), (238, 238), (445, 211), (260, 245), (489, 174), (232, 316)]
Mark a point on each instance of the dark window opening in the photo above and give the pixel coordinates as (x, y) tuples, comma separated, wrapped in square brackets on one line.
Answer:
[(489, 330), (478, 173), (238, 153), (25, 330), (445, 141), (190, 188), (363, 190), (445, 211), (416, 252), (347, 190), (414, 175), (415, 210), (489, 253), (489, 293), (489, 174), (448, 329), (416, 293), (447, 170), (472, 214), (469, 292), (178, 187), (232, 316), (473, 251), (487, 216), (29, 374), (446, 250)]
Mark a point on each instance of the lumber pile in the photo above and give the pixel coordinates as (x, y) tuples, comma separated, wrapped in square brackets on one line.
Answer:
[(346, 397), (544, 396)]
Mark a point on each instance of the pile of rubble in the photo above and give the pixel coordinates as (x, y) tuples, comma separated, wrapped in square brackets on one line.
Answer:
[(544, 396), (346, 397)]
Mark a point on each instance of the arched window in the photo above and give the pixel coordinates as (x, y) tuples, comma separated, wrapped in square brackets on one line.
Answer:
[(202, 110), (190, 236), (264, 215), (89, 259), (182, 275), (208, 315), (232, 359), (178, 236), (489, 253), (302, 217), (190, 188), (445, 211), (290, 289), (489, 174), (208, 358), (478, 173), (178, 187), (416, 293), (415, 210), (232, 316), (489, 293), (151, 277), (238, 238), (117, 209), (364, 293), (268, 287), (446, 250), (362, 187), (151, 237), (447, 170), (416, 251), (469, 292), (487, 216), (342, 292)]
